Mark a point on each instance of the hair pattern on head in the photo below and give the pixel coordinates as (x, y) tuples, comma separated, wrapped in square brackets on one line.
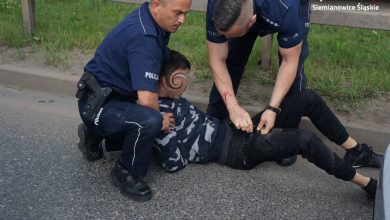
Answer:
[(176, 81)]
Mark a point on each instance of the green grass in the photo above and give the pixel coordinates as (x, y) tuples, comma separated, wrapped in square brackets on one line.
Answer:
[(346, 65)]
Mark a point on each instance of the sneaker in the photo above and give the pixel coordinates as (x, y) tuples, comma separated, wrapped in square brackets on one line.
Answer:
[(371, 188), (287, 161), (365, 158), (90, 145), (131, 186)]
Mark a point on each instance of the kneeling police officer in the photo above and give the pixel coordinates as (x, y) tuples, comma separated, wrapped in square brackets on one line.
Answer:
[(117, 92)]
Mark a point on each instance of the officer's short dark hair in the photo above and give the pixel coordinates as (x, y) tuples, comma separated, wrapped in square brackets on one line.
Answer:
[(226, 13), (175, 61)]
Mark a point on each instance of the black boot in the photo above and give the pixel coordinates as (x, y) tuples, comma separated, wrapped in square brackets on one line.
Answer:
[(287, 161), (90, 144), (131, 186)]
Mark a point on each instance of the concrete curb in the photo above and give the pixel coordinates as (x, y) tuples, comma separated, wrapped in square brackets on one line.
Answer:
[(66, 85), (38, 80)]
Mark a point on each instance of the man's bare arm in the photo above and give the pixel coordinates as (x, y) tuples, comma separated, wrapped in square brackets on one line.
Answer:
[(217, 58), (148, 99), (284, 80)]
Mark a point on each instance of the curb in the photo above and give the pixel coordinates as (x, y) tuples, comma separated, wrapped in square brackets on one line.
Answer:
[(66, 85), (38, 80)]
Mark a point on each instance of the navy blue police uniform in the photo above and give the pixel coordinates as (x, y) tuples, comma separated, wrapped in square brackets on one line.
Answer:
[(289, 18), (129, 60)]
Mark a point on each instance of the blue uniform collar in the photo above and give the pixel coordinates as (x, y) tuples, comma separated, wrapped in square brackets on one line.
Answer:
[(148, 23)]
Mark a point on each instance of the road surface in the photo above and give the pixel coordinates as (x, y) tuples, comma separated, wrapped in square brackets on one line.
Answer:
[(43, 176)]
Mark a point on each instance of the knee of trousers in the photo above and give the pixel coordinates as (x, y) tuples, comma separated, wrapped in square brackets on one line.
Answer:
[(152, 123), (306, 142), (311, 97)]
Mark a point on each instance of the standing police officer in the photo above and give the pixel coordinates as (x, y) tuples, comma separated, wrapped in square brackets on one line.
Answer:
[(117, 92), (232, 28)]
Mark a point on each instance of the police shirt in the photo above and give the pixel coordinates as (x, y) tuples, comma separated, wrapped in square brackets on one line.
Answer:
[(282, 16), (130, 57)]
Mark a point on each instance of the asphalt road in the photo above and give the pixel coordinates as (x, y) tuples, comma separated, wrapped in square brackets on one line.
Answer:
[(43, 176)]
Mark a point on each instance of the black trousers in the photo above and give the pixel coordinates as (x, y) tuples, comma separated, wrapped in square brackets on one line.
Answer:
[(308, 103), (245, 151)]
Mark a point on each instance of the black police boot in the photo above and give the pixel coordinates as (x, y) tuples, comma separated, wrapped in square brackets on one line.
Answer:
[(364, 156), (371, 188), (131, 186), (90, 144), (287, 161)]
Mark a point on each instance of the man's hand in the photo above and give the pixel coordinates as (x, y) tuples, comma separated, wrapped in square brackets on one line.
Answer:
[(240, 118), (168, 121), (267, 122)]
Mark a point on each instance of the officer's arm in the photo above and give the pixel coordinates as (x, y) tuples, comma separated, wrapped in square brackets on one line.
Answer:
[(286, 74), (217, 57), (284, 80), (148, 99)]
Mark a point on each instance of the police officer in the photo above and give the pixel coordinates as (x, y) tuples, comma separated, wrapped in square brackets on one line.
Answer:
[(232, 28), (128, 62)]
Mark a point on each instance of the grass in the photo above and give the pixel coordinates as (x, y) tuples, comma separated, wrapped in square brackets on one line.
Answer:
[(345, 65)]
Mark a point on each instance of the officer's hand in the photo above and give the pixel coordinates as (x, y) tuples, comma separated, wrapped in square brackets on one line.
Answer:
[(267, 122), (168, 121), (240, 118)]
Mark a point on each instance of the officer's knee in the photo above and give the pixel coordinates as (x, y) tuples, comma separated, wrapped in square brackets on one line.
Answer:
[(310, 95), (153, 122), (311, 98)]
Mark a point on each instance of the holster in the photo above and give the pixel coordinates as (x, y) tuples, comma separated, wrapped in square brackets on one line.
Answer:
[(95, 96)]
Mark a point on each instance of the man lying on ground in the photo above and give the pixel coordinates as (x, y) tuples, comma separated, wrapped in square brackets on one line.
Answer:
[(199, 138)]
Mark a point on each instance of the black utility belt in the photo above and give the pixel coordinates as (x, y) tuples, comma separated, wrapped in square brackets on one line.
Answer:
[(94, 96)]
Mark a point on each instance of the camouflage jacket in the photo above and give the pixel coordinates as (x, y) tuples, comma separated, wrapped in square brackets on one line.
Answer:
[(191, 138)]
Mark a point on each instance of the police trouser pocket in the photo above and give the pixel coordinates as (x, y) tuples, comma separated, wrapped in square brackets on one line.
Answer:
[(112, 119)]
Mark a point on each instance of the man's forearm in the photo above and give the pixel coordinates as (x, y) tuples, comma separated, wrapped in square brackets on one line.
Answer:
[(221, 77), (286, 74), (148, 99), (284, 80), (224, 85), (149, 104)]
